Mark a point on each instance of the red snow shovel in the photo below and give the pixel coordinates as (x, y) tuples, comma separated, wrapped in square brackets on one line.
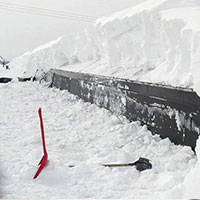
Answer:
[(43, 162)]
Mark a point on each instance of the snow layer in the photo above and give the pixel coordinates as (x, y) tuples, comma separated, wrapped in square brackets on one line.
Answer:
[(82, 134), (157, 41)]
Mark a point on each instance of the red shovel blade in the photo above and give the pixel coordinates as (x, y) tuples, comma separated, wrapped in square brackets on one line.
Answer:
[(42, 164)]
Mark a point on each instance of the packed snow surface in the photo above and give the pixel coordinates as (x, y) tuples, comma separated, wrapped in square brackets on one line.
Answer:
[(157, 41), (84, 135)]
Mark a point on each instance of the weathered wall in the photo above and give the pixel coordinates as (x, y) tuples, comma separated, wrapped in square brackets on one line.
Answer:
[(167, 111)]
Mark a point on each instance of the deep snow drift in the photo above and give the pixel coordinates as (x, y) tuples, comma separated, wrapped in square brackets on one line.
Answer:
[(157, 41), (82, 134)]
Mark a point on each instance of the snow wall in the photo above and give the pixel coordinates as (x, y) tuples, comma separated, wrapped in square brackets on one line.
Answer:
[(157, 41), (167, 111)]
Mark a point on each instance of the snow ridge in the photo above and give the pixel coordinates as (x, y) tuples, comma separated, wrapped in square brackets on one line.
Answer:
[(156, 41)]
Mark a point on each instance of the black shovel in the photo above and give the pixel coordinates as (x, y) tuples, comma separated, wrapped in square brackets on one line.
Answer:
[(141, 164)]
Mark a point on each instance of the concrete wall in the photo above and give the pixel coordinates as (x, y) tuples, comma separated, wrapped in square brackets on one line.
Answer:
[(167, 111)]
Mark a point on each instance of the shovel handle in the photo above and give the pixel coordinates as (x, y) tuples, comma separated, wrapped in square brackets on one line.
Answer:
[(42, 131), (118, 165)]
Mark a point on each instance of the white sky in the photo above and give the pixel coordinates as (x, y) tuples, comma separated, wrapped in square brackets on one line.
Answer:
[(21, 32)]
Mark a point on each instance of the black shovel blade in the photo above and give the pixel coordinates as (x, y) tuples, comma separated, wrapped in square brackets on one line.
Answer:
[(143, 164)]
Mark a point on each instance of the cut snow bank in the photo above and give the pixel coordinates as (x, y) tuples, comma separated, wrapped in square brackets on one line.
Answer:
[(157, 41)]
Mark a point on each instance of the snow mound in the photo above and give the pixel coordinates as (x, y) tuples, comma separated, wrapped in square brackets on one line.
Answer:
[(42, 58), (157, 41)]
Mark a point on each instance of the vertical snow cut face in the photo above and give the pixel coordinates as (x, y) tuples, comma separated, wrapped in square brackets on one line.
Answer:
[(157, 41)]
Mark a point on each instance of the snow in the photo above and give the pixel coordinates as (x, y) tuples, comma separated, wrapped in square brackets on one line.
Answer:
[(192, 179), (22, 31), (82, 134), (156, 41), (130, 11), (180, 13)]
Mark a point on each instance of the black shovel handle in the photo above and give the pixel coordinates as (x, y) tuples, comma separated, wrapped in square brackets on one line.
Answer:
[(118, 165)]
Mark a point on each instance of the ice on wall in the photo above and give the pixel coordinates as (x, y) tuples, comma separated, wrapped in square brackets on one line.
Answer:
[(157, 41)]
